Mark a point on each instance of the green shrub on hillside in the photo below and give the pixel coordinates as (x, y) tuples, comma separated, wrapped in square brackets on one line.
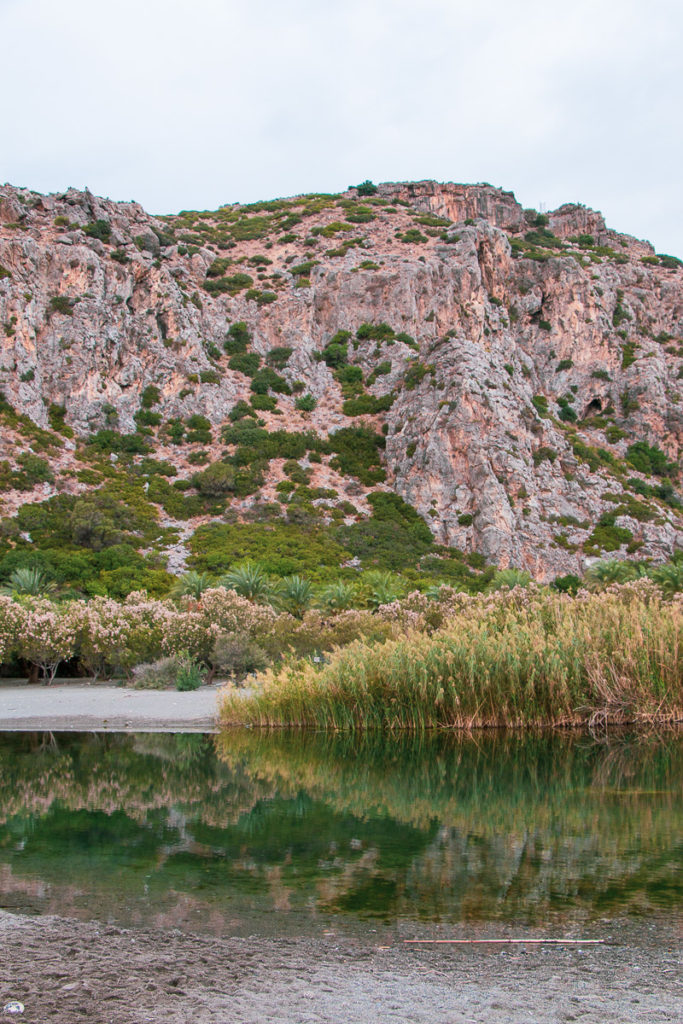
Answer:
[(367, 405), (650, 460), (56, 416), (245, 362), (237, 339), (366, 188), (150, 396), (216, 481), (231, 285), (335, 352), (358, 454), (100, 229), (279, 357), (266, 379), (281, 549)]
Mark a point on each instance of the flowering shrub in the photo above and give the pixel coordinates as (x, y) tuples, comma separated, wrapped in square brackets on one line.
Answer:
[(49, 634), (226, 632)]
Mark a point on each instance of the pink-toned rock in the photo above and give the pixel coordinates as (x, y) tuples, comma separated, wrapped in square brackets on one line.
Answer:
[(500, 325)]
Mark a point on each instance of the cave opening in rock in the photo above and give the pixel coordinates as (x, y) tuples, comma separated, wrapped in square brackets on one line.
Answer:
[(593, 408)]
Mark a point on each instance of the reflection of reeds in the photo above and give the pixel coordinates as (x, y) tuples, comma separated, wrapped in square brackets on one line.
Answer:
[(494, 783), (528, 823), (512, 659)]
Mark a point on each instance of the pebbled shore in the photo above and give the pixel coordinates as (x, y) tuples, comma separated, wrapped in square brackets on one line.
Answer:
[(65, 970)]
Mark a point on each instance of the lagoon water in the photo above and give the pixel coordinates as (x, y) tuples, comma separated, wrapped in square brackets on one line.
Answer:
[(251, 833)]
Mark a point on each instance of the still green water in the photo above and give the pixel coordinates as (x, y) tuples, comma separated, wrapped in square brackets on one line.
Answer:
[(270, 833)]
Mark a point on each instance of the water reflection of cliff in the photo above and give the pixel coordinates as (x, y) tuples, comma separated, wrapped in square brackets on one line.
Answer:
[(191, 832)]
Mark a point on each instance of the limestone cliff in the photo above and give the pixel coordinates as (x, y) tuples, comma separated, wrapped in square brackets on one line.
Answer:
[(522, 359)]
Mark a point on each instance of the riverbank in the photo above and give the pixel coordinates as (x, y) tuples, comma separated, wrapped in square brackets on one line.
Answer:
[(64, 970), (83, 707)]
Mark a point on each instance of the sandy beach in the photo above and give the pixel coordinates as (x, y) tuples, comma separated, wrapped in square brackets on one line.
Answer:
[(84, 707)]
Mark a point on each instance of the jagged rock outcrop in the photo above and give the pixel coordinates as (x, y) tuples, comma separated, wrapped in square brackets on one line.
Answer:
[(527, 354)]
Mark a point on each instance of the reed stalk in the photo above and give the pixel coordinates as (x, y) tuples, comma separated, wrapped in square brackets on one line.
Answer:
[(513, 659)]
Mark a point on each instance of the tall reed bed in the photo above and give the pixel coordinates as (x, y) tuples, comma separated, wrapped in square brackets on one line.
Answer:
[(523, 657)]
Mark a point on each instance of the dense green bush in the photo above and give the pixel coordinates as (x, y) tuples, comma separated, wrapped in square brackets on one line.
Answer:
[(261, 298), (281, 549), (540, 404), (279, 357), (209, 376), (240, 410), (107, 441), (100, 229), (245, 362), (255, 444), (606, 536), (375, 332), (216, 481), (349, 374), (150, 396), (335, 352), (237, 339), (198, 430), (266, 379), (367, 405), (358, 454), (412, 235), (176, 503), (650, 460), (56, 417), (219, 267), (366, 188), (264, 403), (147, 418), (231, 285)]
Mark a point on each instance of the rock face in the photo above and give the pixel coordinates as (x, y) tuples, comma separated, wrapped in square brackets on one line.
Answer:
[(526, 356)]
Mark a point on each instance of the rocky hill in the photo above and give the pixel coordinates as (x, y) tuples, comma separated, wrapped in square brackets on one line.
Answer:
[(514, 377)]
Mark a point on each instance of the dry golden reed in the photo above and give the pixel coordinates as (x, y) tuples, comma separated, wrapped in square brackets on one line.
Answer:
[(517, 658)]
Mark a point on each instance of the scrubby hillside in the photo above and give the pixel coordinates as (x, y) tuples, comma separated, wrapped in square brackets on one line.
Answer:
[(421, 377)]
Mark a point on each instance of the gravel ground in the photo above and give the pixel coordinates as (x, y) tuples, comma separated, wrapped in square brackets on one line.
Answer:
[(65, 970), (83, 707)]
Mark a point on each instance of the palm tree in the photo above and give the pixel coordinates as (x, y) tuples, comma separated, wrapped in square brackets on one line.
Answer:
[(192, 584), (29, 582), (510, 578), (611, 570), (248, 580), (337, 596), (294, 594), (669, 578), (381, 588)]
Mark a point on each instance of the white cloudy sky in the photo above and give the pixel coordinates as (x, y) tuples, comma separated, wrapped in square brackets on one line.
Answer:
[(194, 104)]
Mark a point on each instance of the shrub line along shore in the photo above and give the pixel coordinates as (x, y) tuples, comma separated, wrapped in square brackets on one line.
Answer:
[(526, 656)]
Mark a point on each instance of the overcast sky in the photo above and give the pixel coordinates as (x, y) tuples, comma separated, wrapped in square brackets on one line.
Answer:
[(191, 105)]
